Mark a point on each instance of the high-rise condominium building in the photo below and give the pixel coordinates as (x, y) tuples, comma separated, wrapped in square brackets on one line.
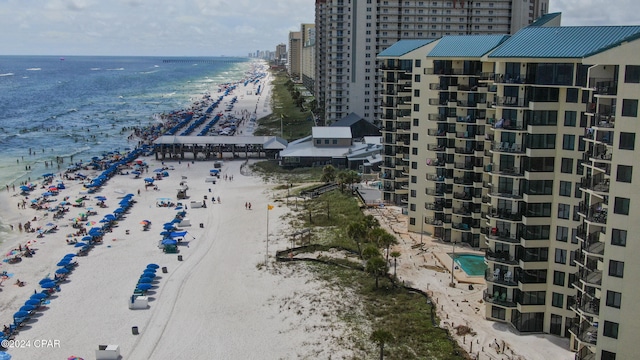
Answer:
[(294, 67), (308, 55), (281, 54), (350, 34), (524, 145)]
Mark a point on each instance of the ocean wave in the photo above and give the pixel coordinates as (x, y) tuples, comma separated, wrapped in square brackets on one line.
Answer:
[(116, 69), (95, 69), (34, 69), (7, 74), (148, 72)]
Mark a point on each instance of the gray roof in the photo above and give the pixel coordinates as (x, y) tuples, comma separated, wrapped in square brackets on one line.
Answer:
[(466, 45), (267, 142), (347, 120), (331, 132), (403, 47), (305, 148)]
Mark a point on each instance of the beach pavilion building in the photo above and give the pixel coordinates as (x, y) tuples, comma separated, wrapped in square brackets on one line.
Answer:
[(523, 145)]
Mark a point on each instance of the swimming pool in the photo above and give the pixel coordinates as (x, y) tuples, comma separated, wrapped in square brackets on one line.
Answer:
[(471, 264)]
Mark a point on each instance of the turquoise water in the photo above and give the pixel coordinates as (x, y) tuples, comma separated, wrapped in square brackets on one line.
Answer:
[(471, 264)]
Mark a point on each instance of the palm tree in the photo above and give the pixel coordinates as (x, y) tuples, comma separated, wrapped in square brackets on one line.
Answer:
[(342, 178), (395, 255), (370, 222), (357, 231), (370, 252), (377, 267), (386, 240), (381, 337)]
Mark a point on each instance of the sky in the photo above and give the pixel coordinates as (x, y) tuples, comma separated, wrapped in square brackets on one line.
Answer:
[(199, 27)]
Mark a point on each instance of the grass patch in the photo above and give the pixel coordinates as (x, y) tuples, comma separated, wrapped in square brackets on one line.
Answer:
[(406, 315), (295, 122)]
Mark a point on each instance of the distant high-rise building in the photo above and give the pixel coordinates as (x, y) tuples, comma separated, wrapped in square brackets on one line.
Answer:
[(308, 55), (295, 50), (281, 54), (350, 34)]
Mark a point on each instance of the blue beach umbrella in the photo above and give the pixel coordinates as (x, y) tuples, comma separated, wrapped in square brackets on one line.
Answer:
[(63, 262), (68, 256), (86, 238), (80, 244), (145, 280), (149, 180), (62, 271), (32, 301), (48, 285), (38, 296), (20, 314), (149, 275), (45, 280), (144, 287), (27, 308), (153, 266)]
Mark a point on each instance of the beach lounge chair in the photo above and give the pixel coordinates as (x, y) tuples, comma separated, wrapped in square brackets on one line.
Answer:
[(496, 274)]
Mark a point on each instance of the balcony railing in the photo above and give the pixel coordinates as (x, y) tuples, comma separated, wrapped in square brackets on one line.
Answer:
[(501, 256), (586, 333), (499, 299), (505, 214), (512, 101), (604, 86), (498, 277)]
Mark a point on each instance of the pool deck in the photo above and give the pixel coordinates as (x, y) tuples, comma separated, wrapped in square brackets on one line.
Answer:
[(459, 274)]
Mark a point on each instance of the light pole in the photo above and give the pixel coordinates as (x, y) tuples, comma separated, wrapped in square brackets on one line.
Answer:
[(453, 264), (422, 228)]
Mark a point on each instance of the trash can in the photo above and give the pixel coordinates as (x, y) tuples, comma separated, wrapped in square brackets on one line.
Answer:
[(134, 330), (179, 257), (205, 197), (202, 225), (164, 270)]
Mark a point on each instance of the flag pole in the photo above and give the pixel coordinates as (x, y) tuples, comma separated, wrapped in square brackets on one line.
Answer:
[(266, 261)]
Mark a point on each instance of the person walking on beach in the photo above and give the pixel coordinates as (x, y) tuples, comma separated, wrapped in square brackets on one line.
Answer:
[(249, 206), (246, 205)]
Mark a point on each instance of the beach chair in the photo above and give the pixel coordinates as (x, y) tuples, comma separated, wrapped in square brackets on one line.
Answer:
[(508, 276), (503, 297)]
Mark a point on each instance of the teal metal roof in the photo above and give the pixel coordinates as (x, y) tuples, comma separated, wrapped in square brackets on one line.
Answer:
[(403, 47), (466, 45), (544, 19), (564, 42)]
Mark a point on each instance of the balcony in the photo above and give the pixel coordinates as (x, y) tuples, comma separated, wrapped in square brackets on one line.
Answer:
[(461, 226), (507, 147), (512, 101), (463, 196), (509, 78), (504, 214), (597, 184), (603, 86), (501, 278), (499, 299), (503, 257), (586, 333), (502, 236), (592, 278), (589, 307)]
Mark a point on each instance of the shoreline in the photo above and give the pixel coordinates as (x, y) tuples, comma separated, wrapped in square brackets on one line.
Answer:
[(214, 297)]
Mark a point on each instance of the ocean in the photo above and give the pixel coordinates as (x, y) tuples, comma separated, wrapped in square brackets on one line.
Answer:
[(85, 106)]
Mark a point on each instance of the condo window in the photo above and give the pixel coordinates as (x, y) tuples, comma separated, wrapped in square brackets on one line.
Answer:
[(572, 95), (629, 107), (570, 118), (621, 206), (541, 141), (565, 188), (607, 355), (632, 74), (558, 278), (561, 256), (616, 268), (557, 300), (614, 299), (619, 237), (568, 142), (627, 141), (610, 329), (562, 233), (566, 166), (498, 313), (624, 173)]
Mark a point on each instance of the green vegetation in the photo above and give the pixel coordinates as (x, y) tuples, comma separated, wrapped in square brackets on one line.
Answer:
[(394, 323), (291, 111)]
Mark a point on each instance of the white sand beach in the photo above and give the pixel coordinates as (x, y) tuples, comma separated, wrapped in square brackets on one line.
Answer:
[(218, 302)]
